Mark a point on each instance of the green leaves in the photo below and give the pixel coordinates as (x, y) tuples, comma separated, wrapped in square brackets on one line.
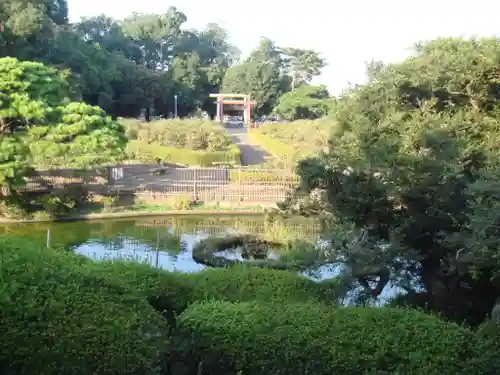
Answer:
[(302, 65), (298, 338), (38, 125), (306, 102), (407, 150)]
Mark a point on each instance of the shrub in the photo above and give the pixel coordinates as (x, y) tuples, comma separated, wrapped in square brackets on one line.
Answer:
[(195, 135), (181, 202), (144, 152), (167, 291), (255, 338), (12, 211), (175, 291), (239, 283), (61, 315), (488, 336)]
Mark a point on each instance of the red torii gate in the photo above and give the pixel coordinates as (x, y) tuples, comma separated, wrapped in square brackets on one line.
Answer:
[(241, 101)]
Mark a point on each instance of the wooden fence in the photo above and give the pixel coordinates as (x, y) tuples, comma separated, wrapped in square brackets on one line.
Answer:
[(152, 182)]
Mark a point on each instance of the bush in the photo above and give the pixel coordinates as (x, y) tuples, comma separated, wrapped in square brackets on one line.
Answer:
[(174, 291), (62, 315), (144, 152), (240, 283), (181, 202), (255, 338), (195, 135), (168, 292)]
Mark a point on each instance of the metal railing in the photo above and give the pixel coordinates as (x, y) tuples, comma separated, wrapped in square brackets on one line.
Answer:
[(152, 182)]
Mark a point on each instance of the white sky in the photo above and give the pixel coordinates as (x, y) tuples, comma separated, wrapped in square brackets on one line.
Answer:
[(346, 33)]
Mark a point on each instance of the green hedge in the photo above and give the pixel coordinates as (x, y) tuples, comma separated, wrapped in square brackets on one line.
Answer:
[(240, 283), (60, 315), (142, 151), (286, 339), (175, 291), (192, 134), (264, 176)]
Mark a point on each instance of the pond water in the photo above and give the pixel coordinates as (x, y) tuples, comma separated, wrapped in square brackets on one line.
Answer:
[(165, 242)]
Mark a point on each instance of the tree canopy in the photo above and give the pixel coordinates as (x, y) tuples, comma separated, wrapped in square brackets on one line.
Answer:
[(412, 176), (306, 102), (137, 66), (39, 124)]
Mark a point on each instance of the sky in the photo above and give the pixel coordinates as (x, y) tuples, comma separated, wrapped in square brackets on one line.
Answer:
[(346, 33)]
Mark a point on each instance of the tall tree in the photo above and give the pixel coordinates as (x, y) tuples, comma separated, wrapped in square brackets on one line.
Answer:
[(302, 65), (306, 102), (260, 75), (412, 173), (39, 123), (156, 35)]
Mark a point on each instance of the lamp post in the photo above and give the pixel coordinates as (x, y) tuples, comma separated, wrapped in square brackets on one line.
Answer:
[(175, 105)]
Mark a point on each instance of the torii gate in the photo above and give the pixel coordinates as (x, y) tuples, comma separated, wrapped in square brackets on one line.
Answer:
[(240, 101)]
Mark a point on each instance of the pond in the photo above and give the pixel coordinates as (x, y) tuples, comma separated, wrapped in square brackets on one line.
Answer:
[(166, 242)]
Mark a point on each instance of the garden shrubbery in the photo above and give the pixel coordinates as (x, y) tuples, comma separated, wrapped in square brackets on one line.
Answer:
[(190, 142), (61, 315), (150, 153), (264, 338), (195, 135), (176, 291), (65, 314)]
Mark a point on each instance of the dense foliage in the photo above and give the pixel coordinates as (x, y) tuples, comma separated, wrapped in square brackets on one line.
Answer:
[(40, 125), (413, 165), (188, 142), (256, 338), (140, 64), (196, 135), (306, 102), (59, 315), (62, 312)]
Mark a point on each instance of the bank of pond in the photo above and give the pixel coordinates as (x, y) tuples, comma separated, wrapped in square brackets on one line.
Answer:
[(128, 297)]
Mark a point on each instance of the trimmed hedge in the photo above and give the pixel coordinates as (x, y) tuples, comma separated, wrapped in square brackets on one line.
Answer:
[(239, 283), (173, 292), (283, 339), (192, 134), (60, 315), (168, 292), (144, 152)]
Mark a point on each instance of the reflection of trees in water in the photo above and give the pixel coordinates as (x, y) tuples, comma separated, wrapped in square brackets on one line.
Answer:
[(158, 233), (277, 229), (132, 237), (60, 234)]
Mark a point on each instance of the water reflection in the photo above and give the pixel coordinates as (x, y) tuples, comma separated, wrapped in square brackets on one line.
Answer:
[(164, 242), (235, 254), (157, 256), (167, 242)]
